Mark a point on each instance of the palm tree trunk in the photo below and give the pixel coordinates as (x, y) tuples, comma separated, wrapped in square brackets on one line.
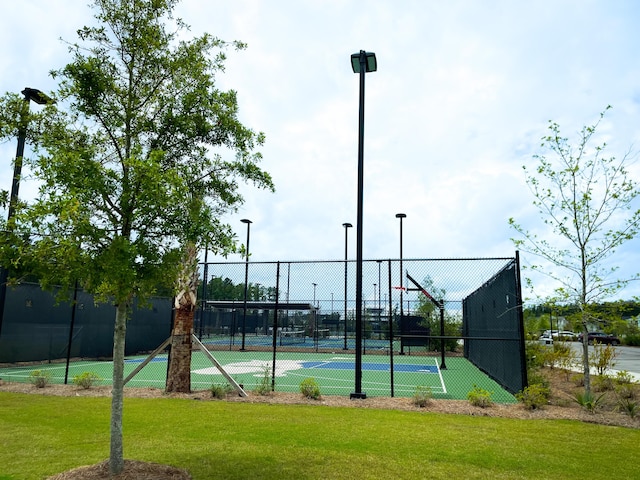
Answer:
[(179, 374)]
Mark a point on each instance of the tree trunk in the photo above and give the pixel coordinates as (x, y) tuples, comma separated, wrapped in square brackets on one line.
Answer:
[(116, 456), (179, 374)]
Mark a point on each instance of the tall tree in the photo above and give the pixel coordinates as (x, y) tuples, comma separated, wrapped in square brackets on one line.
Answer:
[(587, 200), (134, 167)]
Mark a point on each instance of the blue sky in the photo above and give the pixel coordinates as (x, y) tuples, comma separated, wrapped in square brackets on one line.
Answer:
[(462, 95)]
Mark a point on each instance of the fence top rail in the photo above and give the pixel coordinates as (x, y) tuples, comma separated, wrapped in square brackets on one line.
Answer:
[(407, 260), (253, 305)]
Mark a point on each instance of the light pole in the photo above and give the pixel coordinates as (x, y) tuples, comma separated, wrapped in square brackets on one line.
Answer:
[(315, 316), (314, 294), (30, 94), (246, 281), (401, 216), (346, 227), (361, 63)]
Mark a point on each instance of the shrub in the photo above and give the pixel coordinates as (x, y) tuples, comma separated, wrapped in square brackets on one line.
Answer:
[(602, 383), (623, 378), (628, 407), (422, 396), (264, 387), (86, 380), (588, 401), (534, 396), (40, 378), (577, 379), (479, 397), (633, 340), (625, 390), (220, 391), (310, 388), (602, 358)]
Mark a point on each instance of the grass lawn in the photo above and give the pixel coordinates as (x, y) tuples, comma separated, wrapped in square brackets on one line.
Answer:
[(42, 435)]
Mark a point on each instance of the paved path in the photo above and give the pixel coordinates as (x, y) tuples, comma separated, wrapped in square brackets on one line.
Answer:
[(628, 358)]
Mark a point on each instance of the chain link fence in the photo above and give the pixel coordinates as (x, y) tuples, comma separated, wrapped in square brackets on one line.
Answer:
[(442, 324)]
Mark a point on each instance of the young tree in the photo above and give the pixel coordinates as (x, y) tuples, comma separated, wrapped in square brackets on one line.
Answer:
[(133, 168), (586, 200)]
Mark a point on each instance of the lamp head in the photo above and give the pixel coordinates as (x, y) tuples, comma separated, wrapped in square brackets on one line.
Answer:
[(347, 225), (36, 96), (246, 220), (401, 215), (369, 59)]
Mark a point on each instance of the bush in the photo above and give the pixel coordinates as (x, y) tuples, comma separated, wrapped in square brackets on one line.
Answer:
[(602, 383), (422, 396), (40, 378), (264, 387), (633, 340), (534, 396), (623, 378), (628, 407), (86, 380), (310, 388), (577, 379), (602, 357), (588, 401), (479, 397), (220, 391)]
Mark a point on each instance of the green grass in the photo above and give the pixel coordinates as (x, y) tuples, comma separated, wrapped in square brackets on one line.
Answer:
[(44, 435)]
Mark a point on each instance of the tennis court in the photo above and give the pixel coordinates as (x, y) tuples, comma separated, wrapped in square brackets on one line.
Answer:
[(334, 372)]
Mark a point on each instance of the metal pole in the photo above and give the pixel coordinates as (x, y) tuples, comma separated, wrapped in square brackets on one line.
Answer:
[(246, 281), (346, 227), (390, 331), (443, 365), (401, 216), (13, 200), (40, 98), (358, 366), (379, 307)]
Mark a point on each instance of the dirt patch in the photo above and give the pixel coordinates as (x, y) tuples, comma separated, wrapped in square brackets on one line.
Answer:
[(133, 470)]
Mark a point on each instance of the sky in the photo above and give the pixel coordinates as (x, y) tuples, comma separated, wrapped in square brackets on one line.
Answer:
[(463, 93)]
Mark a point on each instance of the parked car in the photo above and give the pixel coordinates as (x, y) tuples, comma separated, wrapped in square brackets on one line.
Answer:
[(600, 337), (548, 336), (565, 335)]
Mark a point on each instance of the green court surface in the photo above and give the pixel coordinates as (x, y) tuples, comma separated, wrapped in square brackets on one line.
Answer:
[(334, 372)]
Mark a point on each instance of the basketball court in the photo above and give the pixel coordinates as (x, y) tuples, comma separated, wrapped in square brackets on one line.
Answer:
[(334, 373)]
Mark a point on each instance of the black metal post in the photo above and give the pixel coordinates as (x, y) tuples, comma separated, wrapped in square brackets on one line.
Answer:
[(71, 327), (203, 304), (401, 216), (275, 328), (443, 365), (390, 331), (346, 227), (246, 281), (358, 364), (40, 98)]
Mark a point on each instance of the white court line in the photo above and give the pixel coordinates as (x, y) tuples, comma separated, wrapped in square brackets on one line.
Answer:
[(444, 388)]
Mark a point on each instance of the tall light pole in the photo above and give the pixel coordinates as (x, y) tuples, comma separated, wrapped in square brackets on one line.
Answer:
[(346, 227), (35, 95), (361, 63), (401, 216), (246, 280)]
